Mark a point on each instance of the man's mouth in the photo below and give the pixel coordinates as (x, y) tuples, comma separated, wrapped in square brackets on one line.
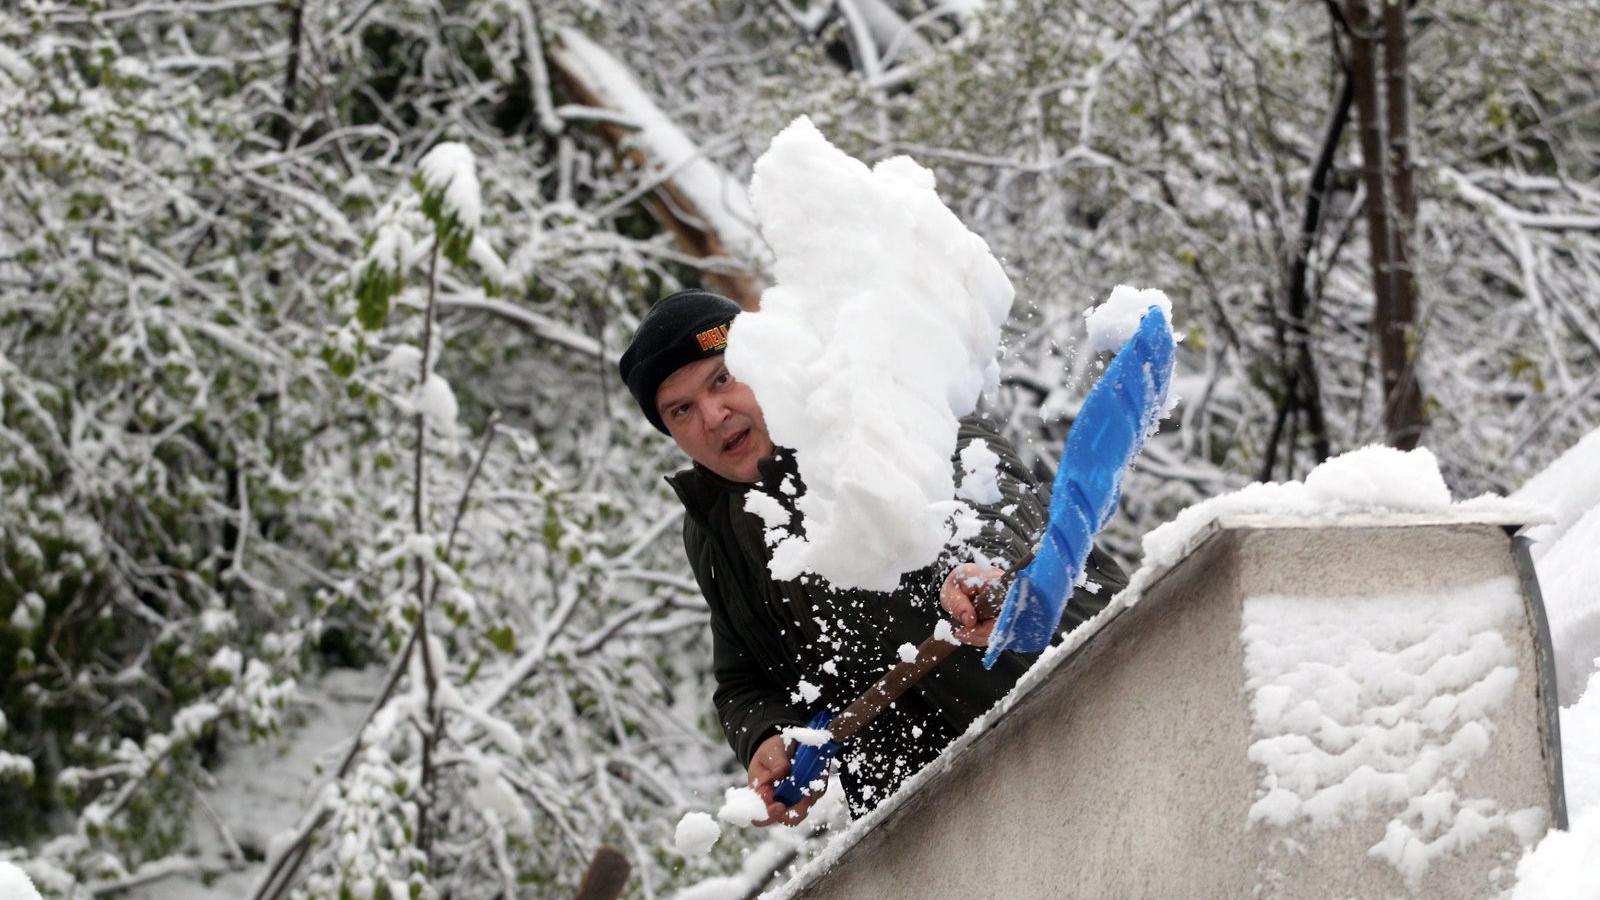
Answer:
[(737, 442)]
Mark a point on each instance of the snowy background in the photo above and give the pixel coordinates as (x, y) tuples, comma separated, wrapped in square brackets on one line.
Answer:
[(308, 320)]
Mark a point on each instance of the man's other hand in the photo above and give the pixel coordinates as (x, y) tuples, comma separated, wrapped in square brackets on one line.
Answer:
[(769, 766), (956, 596)]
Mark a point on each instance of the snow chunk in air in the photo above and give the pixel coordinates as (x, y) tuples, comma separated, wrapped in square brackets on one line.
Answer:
[(1114, 321), (697, 833), (881, 331), (811, 737), (741, 806), (980, 480)]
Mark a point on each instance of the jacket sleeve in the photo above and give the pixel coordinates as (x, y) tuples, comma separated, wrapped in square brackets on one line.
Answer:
[(1013, 526), (750, 704)]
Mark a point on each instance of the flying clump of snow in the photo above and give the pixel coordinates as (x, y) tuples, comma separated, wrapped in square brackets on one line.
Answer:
[(1111, 323), (805, 692), (882, 329), (741, 806), (15, 883), (767, 508), (811, 737), (1370, 705), (980, 481), (696, 834)]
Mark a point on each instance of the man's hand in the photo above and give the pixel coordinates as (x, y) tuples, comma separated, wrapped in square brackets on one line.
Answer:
[(769, 766), (961, 586)]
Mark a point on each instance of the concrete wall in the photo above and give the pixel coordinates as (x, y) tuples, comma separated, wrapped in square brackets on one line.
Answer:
[(1127, 771)]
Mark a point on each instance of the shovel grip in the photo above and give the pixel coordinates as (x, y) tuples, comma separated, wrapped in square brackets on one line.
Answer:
[(886, 690), (993, 596)]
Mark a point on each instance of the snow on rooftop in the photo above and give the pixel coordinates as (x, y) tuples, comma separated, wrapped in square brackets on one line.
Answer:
[(882, 330)]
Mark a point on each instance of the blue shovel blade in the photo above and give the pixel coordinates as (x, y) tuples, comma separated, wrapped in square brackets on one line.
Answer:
[(807, 764), (1119, 412)]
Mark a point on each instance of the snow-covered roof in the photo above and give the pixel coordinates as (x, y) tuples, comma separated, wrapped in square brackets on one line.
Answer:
[(1167, 553)]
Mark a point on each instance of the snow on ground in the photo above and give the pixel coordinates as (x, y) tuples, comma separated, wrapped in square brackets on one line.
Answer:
[(1366, 705), (882, 330)]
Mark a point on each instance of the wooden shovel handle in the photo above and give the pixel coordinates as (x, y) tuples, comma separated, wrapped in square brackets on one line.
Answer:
[(901, 676)]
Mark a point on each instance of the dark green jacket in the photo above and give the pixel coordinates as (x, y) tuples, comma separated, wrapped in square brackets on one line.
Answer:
[(769, 636)]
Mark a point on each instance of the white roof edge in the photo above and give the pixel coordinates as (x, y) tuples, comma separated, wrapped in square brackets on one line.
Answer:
[(1502, 518)]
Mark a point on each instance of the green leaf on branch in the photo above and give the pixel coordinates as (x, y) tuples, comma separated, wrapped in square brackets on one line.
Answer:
[(503, 638)]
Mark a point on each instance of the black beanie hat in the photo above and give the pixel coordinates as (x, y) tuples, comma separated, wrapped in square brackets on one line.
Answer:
[(679, 329)]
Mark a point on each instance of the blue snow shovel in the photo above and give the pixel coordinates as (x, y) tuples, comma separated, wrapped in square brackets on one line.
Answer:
[(1120, 411)]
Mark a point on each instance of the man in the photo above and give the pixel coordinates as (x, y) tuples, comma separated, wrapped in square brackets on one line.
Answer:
[(784, 650)]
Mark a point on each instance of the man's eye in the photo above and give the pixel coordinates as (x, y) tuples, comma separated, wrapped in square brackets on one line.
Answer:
[(680, 410), (724, 378)]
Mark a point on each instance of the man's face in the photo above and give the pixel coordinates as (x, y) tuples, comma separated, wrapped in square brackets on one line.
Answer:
[(715, 419)]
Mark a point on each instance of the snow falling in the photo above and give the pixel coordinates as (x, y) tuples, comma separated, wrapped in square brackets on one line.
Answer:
[(881, 331)]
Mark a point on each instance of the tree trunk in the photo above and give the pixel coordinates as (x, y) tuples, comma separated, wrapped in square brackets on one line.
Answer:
[(1393, 306), (1403, 416)]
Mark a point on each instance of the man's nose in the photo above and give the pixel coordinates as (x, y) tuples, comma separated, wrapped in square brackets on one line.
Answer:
[(714, 411)]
